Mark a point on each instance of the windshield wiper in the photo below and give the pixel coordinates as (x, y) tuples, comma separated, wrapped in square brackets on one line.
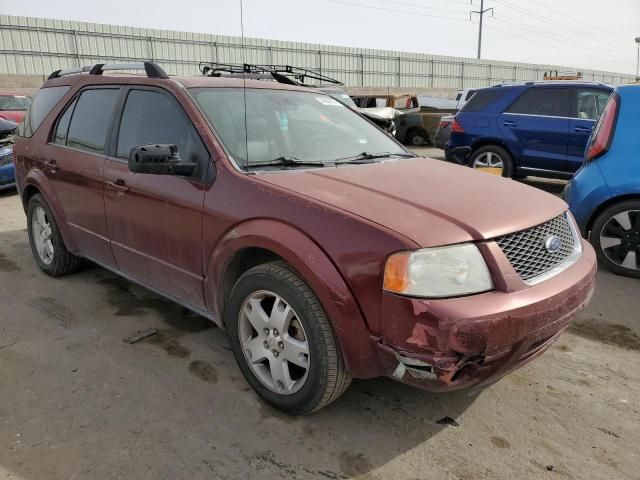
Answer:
[(286, 160), (367, 157)]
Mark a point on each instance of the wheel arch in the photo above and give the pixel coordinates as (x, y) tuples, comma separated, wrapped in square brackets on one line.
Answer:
[(417, 128), (606, 204), (485, 142), (261, 240)]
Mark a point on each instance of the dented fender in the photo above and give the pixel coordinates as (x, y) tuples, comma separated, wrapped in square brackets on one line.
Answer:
[(315, 267)]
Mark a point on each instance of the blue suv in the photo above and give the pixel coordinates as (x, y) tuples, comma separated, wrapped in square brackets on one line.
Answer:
[(532, 128), (604, 195)]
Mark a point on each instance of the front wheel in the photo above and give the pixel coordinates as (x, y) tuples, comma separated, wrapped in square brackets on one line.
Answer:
[(492, 159), (616, 238), (283, 341)]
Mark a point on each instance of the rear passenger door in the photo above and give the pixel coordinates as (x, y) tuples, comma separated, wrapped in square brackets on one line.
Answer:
[(538, 123), (155, 221), (74, 164), (587, 104)]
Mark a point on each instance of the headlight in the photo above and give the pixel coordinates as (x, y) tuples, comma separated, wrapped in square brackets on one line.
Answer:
[(438, 272)]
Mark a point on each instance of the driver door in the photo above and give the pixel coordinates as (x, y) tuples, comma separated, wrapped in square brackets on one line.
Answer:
[(155, 221)]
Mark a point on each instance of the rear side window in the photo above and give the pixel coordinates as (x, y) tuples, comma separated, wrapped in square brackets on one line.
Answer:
[(482, 99), (590, 103), (548, 102), (60, 136), (153, 117), (91, 120), (42, 104)]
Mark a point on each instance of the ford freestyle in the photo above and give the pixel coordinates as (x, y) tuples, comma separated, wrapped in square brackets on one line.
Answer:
[(325, 249)]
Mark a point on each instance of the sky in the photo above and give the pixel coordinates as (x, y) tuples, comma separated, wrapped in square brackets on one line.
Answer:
[(588, 34)]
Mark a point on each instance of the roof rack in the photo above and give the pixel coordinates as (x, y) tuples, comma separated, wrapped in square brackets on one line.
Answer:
[(281, 73), (153, 70)]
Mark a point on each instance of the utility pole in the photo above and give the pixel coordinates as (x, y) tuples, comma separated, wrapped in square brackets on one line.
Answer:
[(480, 12)]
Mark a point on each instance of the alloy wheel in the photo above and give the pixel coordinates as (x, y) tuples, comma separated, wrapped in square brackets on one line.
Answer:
[(274, 342), (42, 235), (620, 239), (489, 162)]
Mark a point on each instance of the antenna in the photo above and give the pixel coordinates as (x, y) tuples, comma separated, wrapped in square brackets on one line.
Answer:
[(244, 85)]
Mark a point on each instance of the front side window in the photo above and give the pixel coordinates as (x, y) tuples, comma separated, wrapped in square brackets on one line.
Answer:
[(42, 104), (153, 117), (548, 102), (91, 120), (304, 126), (590, 103)]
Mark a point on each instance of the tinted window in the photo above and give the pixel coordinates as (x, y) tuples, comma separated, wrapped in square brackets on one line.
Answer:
[(482, 99), (153, 117), (91, 120), (550, 102), (60, 137), (42, 104), (590, 103)]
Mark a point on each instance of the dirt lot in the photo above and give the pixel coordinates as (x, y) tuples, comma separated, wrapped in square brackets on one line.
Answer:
[(76, 402)]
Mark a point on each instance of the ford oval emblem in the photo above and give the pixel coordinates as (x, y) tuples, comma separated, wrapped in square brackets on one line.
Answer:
[(553, 244)]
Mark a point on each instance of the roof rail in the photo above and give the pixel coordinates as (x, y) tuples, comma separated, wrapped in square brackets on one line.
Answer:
[(281, 73), (153, 70)]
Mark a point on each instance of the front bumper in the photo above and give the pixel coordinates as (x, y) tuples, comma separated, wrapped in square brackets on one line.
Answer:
[(449, 344)]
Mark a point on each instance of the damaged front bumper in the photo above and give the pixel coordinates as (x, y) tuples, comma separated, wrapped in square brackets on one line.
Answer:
[(448, 344)]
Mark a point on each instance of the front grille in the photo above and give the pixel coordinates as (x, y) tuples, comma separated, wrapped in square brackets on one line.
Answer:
[(527, 252), (6, 158)]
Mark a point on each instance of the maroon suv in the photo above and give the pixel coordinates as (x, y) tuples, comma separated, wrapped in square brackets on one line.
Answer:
[(325, 249)]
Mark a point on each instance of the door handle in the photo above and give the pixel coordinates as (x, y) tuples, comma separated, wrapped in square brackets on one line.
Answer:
[(508, 123), (51, 164), (582, 130), (118, 185)]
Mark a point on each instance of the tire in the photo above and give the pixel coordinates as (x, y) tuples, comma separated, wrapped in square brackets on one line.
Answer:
[(326, 376), (486, 155), (416, 137), (57, 260), (606, 228)]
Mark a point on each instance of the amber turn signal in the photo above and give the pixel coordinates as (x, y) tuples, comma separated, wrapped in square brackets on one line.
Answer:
[(396, 272)]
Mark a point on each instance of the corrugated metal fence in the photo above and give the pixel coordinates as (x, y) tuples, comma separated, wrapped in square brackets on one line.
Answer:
[(39, 46)]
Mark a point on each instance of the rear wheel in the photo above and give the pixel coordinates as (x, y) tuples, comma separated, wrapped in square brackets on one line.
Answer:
[(416, 137), (616, 238), (283, 341), (47, 245), (492, 159)]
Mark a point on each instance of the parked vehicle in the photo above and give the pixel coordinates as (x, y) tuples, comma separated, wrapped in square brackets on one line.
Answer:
[(604, 195), (416, 126), (463, 96), (13, 106), (7, 170), (325, 249), (532, 128), (443, 132)]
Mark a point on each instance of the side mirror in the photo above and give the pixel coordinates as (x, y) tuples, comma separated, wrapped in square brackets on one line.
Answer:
[(159, 159)]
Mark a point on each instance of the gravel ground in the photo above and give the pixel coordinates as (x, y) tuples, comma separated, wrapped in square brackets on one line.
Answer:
[(78, 402)]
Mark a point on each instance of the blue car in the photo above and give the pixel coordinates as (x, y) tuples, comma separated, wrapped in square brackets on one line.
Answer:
[(604, 195), (532, 128), (7, 169)]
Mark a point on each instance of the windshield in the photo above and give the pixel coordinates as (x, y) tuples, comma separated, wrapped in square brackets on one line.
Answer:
[(308, 127), (14, 102)]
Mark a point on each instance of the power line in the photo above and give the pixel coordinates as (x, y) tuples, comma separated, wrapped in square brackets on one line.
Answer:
[(604, 53), (542, 18), (417, 5), (371, 7)]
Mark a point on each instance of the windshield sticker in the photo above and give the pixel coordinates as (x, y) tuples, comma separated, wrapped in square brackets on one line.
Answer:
[(362, 140), (328, 101)]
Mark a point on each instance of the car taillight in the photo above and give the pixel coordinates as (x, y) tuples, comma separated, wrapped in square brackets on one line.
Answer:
[(456, 127), (602, 135), (443, 123)]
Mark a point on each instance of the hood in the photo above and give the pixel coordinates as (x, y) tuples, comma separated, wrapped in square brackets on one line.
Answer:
[(380, 113), (428, 201), (12, 115)]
